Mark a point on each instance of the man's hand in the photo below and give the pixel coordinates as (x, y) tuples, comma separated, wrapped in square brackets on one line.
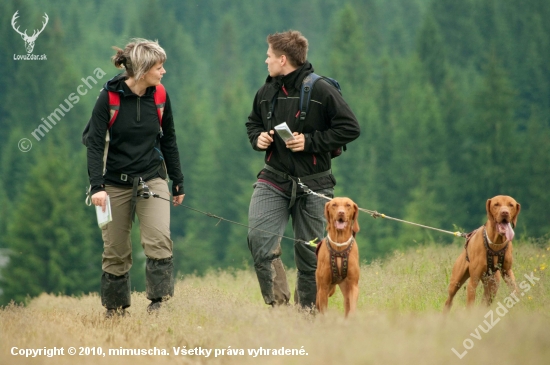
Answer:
[(298, 143), (265, 139)]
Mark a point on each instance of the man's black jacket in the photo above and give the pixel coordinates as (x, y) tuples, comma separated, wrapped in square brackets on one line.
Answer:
[(329, 124)]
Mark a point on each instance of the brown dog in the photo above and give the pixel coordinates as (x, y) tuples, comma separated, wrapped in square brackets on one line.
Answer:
[(488, 253), (338, 255)]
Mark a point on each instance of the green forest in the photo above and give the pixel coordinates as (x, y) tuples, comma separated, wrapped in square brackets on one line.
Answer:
[(453, 99)]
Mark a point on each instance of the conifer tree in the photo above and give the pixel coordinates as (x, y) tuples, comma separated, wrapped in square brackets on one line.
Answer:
[(492, 138), (10, 44), (535, 159), (50, 240), (348, 61), (349, 65), (224, 170), (460, 32), (431, 50)]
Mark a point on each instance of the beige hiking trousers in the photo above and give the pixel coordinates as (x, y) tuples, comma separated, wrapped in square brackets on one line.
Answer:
[(154, 223)]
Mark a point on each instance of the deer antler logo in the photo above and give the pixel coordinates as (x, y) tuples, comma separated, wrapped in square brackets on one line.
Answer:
[(29, 40)]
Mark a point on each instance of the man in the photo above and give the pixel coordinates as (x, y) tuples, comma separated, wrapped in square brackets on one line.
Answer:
[(329, 124)]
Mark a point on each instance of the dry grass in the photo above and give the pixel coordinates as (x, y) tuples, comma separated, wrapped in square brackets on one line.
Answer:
[(399, 320)]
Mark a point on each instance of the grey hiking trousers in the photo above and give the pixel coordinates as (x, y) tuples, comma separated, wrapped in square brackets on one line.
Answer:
[(269, 212)]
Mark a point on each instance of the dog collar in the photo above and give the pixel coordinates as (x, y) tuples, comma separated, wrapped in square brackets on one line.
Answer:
[(486, 237), (338, 244)]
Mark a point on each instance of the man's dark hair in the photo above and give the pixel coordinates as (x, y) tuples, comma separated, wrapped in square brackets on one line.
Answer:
[(290, 43)]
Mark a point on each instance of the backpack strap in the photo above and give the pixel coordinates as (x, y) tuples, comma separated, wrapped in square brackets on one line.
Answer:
[(307, 86), (273, 100), (160, 101), (305, 93), (114, 106)]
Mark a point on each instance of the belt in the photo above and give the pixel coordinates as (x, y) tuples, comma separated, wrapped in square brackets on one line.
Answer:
[(134, 180), (286, 176)]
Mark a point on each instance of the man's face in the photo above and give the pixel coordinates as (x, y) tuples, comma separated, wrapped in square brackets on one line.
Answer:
[(274, 63)]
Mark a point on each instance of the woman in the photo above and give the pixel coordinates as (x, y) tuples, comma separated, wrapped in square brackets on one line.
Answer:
[(141, 152)]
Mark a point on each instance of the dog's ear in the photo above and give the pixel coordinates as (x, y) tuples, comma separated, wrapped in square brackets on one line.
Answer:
[(355, 227), (515, 218), (489, 215), (327, 213)]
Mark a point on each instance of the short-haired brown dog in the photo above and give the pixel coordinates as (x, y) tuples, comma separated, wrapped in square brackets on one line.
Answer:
[(338, 255), (487, 253)]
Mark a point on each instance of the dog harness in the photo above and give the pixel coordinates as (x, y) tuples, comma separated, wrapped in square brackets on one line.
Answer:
[(338, 277), (491, 269)]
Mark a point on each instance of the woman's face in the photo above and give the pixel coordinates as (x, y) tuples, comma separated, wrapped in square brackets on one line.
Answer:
[(154, 75)]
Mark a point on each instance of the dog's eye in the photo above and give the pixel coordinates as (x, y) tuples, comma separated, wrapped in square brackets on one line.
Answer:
[(497, 204), (348, 205)]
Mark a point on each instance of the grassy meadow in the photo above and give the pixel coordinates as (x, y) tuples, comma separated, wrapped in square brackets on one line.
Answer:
[(399, 321)]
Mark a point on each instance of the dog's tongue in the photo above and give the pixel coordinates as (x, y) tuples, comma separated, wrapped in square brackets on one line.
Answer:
[(340, 224), (505, 229)]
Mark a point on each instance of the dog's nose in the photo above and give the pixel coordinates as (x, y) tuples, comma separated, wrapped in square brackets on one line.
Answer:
[(341, 211), (505, 213)]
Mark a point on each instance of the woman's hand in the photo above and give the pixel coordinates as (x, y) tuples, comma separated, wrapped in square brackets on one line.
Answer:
[(177, 199), (99, 199)]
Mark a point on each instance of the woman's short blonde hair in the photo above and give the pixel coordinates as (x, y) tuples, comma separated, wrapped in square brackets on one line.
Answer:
[(138, 57)]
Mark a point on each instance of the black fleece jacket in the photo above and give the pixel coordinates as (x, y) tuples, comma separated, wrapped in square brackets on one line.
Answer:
[(329, 124), (135, 147)]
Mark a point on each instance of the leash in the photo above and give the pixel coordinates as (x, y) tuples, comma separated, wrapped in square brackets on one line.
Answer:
[(148, 193), (375, 214)]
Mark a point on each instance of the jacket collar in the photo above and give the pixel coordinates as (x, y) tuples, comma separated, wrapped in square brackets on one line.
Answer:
[(118, 84), (293, 79)]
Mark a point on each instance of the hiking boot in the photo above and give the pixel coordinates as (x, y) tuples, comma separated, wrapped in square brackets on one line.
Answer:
[(112, 313), (154, 306)]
